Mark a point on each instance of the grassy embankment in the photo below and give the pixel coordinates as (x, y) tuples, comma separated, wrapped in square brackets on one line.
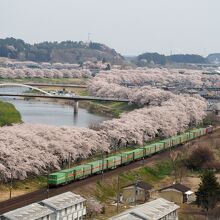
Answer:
[(8, 114), (78, 81), (113, 109)]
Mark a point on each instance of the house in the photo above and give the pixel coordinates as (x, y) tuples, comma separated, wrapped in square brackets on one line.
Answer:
[(177, 193), (138, 192), (158, 209), (66, 206), (34, 211)]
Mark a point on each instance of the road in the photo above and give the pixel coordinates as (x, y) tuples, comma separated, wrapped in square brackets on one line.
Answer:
[(74, 98), (56, 85)]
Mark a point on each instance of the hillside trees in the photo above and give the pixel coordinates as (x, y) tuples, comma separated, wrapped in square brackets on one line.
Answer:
[(6, 73)]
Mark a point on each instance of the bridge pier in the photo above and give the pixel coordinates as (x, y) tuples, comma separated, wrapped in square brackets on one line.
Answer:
[(75, 107)]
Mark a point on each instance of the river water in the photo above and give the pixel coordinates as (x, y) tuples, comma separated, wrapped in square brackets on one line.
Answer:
[(51, 113)]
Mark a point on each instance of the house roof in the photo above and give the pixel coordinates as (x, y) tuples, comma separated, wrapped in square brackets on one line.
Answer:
[(141, 184), (30, 212), (178, 187), (63, 201), (153, 210)]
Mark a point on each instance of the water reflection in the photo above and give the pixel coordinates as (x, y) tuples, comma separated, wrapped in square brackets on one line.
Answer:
[(54, 113)]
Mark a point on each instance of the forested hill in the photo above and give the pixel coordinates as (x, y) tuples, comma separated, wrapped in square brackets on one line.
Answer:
[(63, 52), (214, 58), (155, 58)]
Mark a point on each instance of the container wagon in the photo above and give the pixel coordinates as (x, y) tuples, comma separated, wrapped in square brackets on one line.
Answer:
[(94, 167)]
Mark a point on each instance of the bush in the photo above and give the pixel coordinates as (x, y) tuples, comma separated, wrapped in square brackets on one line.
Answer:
[(199, 157)]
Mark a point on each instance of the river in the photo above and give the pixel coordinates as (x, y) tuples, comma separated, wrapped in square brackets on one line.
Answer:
[(51, 113)]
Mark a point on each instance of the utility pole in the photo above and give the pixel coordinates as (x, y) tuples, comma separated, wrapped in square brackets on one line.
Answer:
[(89, 34), (48, 184), (102, 166), (118, 193), (10, 188), (69, 158), (144, 153), (135, 191)]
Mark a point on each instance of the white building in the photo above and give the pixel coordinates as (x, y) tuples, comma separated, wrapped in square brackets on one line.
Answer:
[(67, 206), (159, 209), (30, 212)]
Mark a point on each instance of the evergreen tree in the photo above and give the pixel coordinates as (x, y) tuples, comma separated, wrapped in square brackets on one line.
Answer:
[(208, 193)]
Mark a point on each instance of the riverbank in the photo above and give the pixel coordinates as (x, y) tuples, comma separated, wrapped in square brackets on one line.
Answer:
[(77, 81), (9, 114), (111, 109)]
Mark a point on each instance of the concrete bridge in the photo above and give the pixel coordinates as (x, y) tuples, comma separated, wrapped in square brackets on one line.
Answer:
[(55, 85), (46, 95)]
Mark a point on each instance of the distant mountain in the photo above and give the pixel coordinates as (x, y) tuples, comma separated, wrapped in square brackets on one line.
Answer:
[(151, 58), (214, 58), (63, 52), (186, 58), (159, 59)]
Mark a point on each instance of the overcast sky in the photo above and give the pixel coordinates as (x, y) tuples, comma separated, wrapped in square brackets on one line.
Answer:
[(129, 26)]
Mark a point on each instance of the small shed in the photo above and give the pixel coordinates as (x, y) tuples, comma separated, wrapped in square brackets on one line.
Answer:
[(177, 193), (137, 192)]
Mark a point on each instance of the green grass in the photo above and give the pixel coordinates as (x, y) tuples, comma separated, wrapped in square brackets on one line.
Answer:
[(114, 109), (148, 174), (81, 81), (8, 114), (151, 175), (35, 182)]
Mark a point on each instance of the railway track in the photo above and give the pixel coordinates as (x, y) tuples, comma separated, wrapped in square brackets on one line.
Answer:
[(41, 194)]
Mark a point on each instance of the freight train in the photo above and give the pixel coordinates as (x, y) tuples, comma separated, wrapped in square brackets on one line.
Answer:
[(87, 169)]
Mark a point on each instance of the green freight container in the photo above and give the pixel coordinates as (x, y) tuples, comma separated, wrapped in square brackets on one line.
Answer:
[(130, 155), (138, 153), (175, 140), (56, 178), (70, 174), (159, 146), (203, 131), (184, 137), (124, 158), (113, 161), (82, 171), (149, 150), (196, 133), (98, 166), (167, 143), (191, 135)]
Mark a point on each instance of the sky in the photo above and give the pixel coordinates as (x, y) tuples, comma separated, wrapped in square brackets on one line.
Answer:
[(131, 27)]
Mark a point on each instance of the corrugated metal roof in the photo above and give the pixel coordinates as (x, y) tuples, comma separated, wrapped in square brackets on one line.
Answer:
[(30, 212), (63, 201), (153, 210)]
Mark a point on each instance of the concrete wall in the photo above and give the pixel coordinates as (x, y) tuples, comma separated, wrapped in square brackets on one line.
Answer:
[(129, 195), (172, 195)]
